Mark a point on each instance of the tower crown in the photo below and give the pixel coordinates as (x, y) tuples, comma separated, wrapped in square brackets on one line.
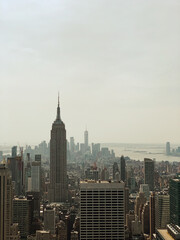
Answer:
[(58, 116)]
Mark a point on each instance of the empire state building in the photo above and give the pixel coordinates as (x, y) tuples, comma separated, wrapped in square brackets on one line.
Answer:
[(58, 162)]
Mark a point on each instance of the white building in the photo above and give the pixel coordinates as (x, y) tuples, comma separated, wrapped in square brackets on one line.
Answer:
[(102, 210)]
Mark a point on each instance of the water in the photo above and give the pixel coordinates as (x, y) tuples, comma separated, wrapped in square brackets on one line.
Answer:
[(141, 151)]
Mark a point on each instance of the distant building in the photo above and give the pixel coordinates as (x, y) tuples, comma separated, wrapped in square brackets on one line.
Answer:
[(72, 145), (102, 210), (174, 192), (36, 176), (168, 148), (15, 164), (122, 168), (5, 202), (86, 144), (149, 173), (58, 162), (144, 188), (14, 151), (115, 170), (96, 149)]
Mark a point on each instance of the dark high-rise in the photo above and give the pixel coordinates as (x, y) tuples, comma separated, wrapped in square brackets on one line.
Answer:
[(58, 162), (149, 173), (174, 192), (122, 168)]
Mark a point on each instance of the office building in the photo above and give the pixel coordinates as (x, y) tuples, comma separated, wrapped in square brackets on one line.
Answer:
[(49, 219), (145, 219), (115, 170), (168, 148), (15, 164), (86, 144), (58, 162), (14, 151), (36, 176), (144, 188), (23, 214), (122, 168), (139, 203), (162, 210), (149, 173), (152, 214), (5, 202), (174, 192), (101, 210)]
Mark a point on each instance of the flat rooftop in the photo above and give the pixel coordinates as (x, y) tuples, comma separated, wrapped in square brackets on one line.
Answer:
[(164, 233)]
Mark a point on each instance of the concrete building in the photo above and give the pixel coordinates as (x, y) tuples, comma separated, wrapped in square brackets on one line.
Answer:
[(149, 173), (86, 141), (140, 201), (115, 170), (36, 176), (172, 232), (101, 210), (43, 235), (162, 210), (58, 162), (144, 188), (152, 214), (174, 192), (168, 148), (49, 220), (145, 219), (14, 232), (5, 202)]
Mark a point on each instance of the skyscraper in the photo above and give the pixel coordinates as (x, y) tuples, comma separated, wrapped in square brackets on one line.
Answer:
[(152, 214), (174, 192), (162, 210), (101, 210), (168, 148), (122, 168), (86, 140), (58, 162), (149, 173), (5, 202)]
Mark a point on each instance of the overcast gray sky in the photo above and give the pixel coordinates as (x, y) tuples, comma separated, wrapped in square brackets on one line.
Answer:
[(115, 63)]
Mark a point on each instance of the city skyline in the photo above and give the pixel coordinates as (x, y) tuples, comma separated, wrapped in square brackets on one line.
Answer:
[(114, 64)]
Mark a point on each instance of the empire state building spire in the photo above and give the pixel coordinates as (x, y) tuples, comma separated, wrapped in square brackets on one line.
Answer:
[(58, 118)]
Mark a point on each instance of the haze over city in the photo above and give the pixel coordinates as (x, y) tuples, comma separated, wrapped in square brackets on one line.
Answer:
[(115, 64)]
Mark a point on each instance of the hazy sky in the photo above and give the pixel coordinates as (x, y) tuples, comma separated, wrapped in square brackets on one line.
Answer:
[(115, 63)]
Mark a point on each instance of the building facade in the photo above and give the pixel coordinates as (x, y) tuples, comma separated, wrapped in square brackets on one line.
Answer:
[(102, 210), (149, 173), (5, 202), (174, 192)]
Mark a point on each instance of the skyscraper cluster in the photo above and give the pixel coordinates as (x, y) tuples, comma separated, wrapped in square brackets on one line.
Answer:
[(85, 192)]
